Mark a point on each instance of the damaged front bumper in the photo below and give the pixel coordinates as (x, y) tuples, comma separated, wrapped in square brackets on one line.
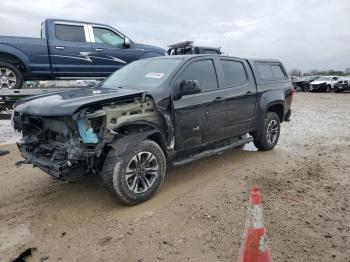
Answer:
[(61, 163), (54, 168)]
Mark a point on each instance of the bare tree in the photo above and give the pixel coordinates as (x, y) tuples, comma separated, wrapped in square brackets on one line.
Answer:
[(295, 72)]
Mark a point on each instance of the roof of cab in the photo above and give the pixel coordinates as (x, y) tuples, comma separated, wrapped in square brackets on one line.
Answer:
[(263, 60), (191, 56), (73, 21)]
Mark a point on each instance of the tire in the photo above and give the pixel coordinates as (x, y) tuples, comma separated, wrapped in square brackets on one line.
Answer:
[(136, 185), (262, 140), (328, 89), (10, 76)]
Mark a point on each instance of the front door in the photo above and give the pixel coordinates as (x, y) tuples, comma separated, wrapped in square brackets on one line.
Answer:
[(109, 52), (71, 51), (199, 118)]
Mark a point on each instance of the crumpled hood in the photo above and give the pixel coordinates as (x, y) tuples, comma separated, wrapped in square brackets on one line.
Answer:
[(65, 103), (318, 82)]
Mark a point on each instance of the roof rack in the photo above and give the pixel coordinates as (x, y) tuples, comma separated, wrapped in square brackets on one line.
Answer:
[(187, 47)]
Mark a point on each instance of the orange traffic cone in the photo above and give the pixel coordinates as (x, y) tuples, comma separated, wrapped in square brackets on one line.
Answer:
[(254, 246)]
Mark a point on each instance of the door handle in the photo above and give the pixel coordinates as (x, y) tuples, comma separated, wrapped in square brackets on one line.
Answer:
[(59, 47), (249, 93), (218, 99), (99, 49)]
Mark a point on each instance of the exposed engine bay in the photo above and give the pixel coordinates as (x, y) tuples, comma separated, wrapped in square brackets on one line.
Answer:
[(64, 144)]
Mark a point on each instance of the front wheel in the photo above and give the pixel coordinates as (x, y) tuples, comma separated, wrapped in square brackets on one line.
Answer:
[(328, 88), (267, 137), (135, 175), (10, 76)]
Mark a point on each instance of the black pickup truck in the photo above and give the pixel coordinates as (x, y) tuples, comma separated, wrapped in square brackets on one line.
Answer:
[(151, 114)]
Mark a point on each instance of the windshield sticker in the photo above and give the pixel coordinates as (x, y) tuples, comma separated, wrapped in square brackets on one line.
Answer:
[(154, 75)]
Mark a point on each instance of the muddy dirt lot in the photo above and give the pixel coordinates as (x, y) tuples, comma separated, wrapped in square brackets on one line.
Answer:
[(199, 213)]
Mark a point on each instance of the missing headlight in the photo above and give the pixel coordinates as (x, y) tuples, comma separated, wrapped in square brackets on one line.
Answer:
[(86, 132)]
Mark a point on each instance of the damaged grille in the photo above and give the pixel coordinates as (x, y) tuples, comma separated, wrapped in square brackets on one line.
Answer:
[(53, 145), (46, 138), (56, 130), (45, 129)]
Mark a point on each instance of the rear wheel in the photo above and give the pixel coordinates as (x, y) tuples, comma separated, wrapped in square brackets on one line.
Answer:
[(10, 76), (267, 137), (133, 176)]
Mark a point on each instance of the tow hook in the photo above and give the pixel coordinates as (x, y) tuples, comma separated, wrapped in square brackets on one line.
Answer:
[(21, 162)]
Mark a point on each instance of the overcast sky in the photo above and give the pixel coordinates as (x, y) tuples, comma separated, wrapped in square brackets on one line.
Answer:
[(304, 34)]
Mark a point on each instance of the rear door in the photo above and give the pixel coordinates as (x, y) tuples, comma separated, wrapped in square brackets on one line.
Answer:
[(240, 96), (199, 118), (109, 52), (71, 50)]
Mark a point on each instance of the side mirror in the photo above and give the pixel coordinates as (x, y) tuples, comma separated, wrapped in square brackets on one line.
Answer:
[(189, 87), (126, 42)]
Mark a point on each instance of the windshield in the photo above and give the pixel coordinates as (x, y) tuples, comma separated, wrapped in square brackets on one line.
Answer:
[(324, 78), (146, 74), (311, 77)]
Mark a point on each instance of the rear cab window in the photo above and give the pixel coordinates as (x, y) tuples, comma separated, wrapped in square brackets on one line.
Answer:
[(73, 33), (234, 73)]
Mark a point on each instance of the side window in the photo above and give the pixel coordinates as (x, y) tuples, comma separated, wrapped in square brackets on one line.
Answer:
[(70, 33), (270, 71), (204, 72), (234, 73), (108, 37), (265, 71), (278, 72)]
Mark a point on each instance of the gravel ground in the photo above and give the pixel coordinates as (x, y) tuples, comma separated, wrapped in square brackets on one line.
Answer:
[(199, 213)]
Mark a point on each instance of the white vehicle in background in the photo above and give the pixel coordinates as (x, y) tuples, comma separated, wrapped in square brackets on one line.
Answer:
[(324, 83)]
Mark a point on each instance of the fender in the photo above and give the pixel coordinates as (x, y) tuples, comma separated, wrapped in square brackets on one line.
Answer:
[(280, 103), (268, 99), (5, 48), (133, 139), (149, 125)]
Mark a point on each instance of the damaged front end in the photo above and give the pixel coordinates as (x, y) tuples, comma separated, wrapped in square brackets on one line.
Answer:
[(66, 146), (55, 145)]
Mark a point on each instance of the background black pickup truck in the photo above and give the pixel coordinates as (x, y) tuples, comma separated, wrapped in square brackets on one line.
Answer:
[(68, 50), (153, 113)]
